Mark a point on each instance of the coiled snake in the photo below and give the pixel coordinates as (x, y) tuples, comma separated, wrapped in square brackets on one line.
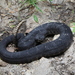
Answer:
[(28, 44)]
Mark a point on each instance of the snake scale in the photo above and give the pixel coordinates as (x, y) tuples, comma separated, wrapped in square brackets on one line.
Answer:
[(28, 44)]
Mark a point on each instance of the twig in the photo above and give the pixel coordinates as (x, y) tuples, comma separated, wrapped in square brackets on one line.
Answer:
[(15, 31)]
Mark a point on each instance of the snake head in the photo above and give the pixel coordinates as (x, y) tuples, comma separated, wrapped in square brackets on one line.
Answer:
[(26, 44)]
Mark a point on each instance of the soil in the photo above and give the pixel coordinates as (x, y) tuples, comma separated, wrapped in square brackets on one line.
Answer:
[(12, 13)]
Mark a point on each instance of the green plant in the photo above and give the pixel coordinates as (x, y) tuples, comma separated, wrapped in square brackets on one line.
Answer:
[(50, 0), (72, 26), (35, 18), (33, 3)]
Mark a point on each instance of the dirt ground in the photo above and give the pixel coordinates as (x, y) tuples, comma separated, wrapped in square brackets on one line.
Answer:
[(12, 13)]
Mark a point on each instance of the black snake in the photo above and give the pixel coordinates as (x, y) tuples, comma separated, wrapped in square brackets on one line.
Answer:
[(28, 44)]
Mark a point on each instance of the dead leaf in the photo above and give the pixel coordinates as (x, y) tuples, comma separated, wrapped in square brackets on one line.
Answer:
[(28, 30), (3, 15)]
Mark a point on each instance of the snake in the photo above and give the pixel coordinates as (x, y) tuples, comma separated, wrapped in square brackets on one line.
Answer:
[(30, 46)]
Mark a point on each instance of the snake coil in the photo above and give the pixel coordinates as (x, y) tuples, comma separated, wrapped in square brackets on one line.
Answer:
[(28, 44)]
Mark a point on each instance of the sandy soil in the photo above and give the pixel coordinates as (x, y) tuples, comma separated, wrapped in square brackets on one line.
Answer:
[(12, 13)]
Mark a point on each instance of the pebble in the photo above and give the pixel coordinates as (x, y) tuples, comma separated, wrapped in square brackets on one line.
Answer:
[(3, 64)]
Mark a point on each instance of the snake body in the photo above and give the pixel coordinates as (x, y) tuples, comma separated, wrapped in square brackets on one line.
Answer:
[(28, 44)]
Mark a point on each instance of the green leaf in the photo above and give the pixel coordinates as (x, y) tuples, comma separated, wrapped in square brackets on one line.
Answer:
[(35, 18), (50, 0), (38, 8), (72, 24), (12, 26), (73, 29)]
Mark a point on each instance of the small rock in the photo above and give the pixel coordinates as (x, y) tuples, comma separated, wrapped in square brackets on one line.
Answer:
[(2, 63), (57, 1), (56, 36), (1, 34), (73, 1)]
